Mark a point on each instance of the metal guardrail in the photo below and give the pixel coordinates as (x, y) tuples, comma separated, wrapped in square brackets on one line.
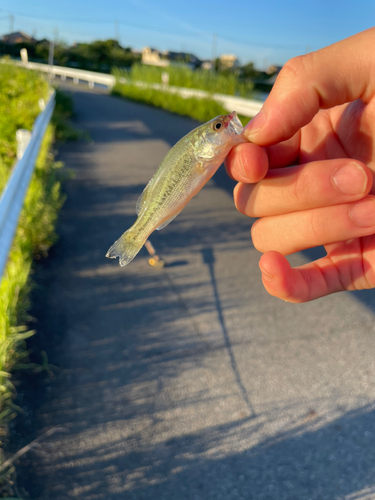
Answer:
[(13, 196), (77, 74), (246, 107)]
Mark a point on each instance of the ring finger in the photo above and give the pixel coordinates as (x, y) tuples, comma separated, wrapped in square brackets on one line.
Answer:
[(289, 233)]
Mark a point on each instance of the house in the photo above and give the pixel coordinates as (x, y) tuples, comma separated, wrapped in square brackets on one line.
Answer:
[(273, 69), (18, 37), (183, 58), (229, 61), (207, 64), (153, 57), (156, 58)]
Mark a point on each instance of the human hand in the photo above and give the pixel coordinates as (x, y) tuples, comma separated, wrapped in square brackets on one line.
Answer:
[(317, 125)]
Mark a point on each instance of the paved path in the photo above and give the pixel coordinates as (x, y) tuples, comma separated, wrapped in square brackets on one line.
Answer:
[(188, 382)]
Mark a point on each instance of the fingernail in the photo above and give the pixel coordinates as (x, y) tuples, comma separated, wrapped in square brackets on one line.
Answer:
[(363, 212), (350, 179), (255, 124), (266, 275)]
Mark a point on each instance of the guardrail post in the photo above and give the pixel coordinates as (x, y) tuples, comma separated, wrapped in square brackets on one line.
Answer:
[(24, 56), (91, 84), (23, 138), (75, 80), (165, 78)]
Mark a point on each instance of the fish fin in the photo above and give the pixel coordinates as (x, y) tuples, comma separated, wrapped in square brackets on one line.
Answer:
[(201, 164), (126, 248), (142, 199), (162, 226)]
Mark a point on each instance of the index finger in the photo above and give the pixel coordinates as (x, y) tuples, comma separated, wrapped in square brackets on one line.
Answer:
[(249, 163)]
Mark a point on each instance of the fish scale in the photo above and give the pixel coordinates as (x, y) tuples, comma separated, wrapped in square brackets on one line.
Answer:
[(183, 172)]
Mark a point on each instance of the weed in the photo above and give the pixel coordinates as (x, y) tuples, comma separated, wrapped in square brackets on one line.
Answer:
[(20, 92), (183, 76), (199, 109)]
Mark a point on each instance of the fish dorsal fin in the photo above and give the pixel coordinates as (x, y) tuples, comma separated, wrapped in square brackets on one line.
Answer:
[(168, 221), (141, 202)]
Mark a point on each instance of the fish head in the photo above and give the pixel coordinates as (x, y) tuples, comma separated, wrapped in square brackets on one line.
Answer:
[(223, 132)]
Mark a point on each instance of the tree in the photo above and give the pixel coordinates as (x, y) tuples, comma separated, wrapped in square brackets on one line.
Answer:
[(248, 71)]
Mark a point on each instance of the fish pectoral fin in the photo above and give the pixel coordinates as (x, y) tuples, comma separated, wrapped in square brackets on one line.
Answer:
[(200, 165), (141, 202), (168, 221)]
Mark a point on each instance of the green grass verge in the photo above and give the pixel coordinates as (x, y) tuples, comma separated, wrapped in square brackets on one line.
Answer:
[(200, 109), (63, 112), (182, 76), (20, 91)]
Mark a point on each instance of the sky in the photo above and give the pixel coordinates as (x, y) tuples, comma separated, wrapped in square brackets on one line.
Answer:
[(262, 32)]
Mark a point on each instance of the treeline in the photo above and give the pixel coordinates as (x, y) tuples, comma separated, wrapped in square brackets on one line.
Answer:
[(100, 55), (105, 55)]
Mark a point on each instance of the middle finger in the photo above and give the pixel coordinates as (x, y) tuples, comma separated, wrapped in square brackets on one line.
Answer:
[(313, 185)]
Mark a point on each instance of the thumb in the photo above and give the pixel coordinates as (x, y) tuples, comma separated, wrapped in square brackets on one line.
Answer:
[(337, 74)]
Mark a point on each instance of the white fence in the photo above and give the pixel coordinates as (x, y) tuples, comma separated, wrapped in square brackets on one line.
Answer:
[(13, 196), (77, 74), (246, 107)]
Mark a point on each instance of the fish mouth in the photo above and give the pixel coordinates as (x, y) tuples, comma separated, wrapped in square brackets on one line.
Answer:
[(234, 125)]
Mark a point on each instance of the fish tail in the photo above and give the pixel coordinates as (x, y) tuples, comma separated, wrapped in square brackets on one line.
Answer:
[(126, 247)]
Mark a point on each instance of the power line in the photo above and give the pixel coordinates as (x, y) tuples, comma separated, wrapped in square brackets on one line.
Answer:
[(248, 43)]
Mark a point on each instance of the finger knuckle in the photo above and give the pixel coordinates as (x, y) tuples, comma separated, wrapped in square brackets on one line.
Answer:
[(313, 229), (293, 68), (295, 191)]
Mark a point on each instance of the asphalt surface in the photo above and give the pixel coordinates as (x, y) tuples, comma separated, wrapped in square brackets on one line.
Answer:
[(188, 382)]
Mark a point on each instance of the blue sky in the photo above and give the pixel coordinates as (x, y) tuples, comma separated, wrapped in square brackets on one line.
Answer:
[(264, 32)]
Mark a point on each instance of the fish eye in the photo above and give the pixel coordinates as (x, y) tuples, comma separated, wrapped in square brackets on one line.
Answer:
[(216, 126)]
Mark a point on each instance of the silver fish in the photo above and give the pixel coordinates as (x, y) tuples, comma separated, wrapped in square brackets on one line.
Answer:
[(184, 171)]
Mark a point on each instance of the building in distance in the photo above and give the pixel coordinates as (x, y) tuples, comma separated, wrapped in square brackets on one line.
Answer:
[(18, 37), (228, 61), (155, 57)]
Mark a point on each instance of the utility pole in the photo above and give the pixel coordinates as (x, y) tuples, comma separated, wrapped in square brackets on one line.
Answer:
[(50, 60), (11, 21), (50, 53), (117, 37), (214, 48)]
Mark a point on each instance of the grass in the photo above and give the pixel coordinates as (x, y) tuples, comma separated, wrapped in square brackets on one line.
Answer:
[(200, 109), (63, 129), (20, 91), (183, 76)]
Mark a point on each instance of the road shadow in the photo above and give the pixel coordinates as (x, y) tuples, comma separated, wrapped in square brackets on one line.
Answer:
[(209, 259), (315, 460), (126, 340)]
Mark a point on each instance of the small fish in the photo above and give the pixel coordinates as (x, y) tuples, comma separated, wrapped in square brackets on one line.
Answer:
[(184, 171)]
